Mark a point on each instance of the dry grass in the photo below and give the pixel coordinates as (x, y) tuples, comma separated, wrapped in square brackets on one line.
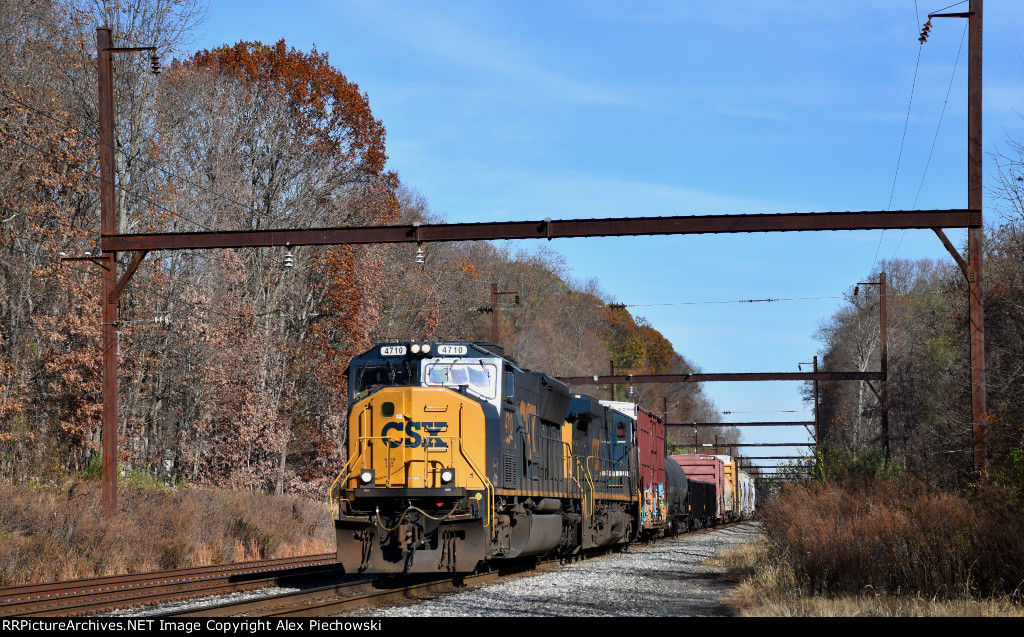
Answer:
[(768, 589), (872, 534), (882, 550), (59, 533)]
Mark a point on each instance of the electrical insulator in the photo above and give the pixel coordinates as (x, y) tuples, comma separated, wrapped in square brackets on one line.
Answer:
[(924, 32), (517, 299), (856, 290), (289, 260), (419, 256), (154, 61)]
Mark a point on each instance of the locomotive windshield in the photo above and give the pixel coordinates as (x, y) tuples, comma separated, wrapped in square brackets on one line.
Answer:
[(453, 365), (375, 374), (479, 378)]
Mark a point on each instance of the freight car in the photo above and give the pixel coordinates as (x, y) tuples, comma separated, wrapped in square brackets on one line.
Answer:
[(711, 470), (734, 488), (458, 456), (649, 450), (692, 504), (741, 489)]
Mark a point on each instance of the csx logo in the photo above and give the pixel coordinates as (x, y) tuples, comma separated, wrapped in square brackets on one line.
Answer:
[(413, 437)]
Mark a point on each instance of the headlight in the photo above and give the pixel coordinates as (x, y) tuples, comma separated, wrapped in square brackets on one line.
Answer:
[(447, 475), (426, 348), (415, 348), (366, 476)]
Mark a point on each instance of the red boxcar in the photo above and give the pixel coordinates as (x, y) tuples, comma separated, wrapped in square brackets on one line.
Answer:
[(707, 468), (650, 463)]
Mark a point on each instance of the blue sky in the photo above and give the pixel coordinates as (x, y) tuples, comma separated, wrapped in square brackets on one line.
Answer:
[(524, 110)]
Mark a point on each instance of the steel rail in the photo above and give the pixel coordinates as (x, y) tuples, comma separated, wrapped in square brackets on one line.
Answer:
[(93, 594)]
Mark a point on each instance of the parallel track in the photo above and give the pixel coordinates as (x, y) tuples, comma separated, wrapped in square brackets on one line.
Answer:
[(103, 593)]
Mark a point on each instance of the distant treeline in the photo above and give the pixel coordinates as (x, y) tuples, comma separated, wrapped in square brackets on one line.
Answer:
[(930, 420)]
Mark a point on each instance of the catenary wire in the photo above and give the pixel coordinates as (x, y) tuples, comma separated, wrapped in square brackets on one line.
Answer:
[(903, 139), (936, 137)]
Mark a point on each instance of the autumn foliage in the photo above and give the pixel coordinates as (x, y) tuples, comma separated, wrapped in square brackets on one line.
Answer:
[(232, 365), (328, 112), (930, 420)]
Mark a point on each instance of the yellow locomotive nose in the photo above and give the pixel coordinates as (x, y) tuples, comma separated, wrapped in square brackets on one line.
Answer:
[(417, 437), (422, 449)]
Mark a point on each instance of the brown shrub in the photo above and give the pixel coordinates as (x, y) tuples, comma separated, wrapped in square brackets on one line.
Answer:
[(51, 533), (872, 534)]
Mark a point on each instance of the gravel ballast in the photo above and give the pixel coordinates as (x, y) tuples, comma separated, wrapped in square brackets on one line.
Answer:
[(665, 579)]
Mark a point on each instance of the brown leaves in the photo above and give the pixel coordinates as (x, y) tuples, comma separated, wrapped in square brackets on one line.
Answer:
[(331, 115)]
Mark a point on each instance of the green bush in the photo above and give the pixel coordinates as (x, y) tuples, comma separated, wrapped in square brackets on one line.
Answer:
[(838, 463), (127, 477)]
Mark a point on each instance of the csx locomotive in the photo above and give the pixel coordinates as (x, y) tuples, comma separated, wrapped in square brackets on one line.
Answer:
[(457, 456)]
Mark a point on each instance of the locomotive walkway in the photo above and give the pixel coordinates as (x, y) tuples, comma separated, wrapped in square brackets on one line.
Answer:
[(666, 579)]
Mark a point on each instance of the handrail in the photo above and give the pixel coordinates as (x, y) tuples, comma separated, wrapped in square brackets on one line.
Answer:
[(345, 470), (584, 462), (567, 459), (488, 487)]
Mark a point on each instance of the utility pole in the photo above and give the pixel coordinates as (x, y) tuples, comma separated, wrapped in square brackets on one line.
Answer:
[(494, 310), (884, 363), (975, 235), (883, 332), (108, 261), (112, 284), (973, 266), (816, 438)]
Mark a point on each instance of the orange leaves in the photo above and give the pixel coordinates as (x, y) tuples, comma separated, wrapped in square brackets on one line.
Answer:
[(330, 113), (466, 269), (625, 341)]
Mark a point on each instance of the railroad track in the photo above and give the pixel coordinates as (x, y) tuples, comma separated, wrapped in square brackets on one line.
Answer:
[(347, 597), (108, 594), (97, 595)]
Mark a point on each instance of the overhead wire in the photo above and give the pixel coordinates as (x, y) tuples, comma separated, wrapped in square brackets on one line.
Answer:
[(944, 8), (186, 219), (125, 189), (938, 126), (903, 139), (141, 160)]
